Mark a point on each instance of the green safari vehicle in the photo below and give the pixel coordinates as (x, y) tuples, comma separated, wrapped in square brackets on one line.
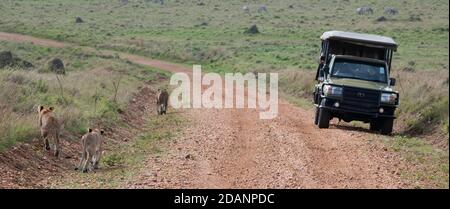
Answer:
[(354, 82)]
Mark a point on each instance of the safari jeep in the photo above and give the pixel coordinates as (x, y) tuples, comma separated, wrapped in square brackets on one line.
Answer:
[(353, 80)]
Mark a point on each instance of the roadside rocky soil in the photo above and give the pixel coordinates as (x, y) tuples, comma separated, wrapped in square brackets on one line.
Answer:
[(226, 148), (29, 166)]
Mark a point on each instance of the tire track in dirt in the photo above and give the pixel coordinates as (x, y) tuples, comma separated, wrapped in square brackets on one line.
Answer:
[(232, 148), (14, 37), (171, 67)]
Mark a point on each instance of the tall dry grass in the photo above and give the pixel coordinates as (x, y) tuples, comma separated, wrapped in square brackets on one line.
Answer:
[(21, 92), (424, 100), (15, 127)]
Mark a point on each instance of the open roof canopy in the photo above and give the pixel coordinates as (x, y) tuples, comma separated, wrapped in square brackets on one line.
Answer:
[(361, 38)]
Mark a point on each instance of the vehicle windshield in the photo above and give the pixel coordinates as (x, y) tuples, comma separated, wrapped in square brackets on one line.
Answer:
[(343, 68)]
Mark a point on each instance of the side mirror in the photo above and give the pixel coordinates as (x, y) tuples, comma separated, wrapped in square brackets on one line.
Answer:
[(392, 81), (325, 70)]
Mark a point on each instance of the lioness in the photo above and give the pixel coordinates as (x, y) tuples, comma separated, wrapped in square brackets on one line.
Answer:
[(162, 97), (91, 149), (49, 127)]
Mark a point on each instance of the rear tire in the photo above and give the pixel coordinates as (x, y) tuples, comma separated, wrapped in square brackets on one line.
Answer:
[(386, 126), (324, 118)]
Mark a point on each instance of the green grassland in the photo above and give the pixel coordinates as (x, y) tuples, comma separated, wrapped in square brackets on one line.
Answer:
[(288, 38), (212, 33)]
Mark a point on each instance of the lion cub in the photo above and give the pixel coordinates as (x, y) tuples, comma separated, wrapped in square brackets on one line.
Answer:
[(91, 149), (49, 127), (162, 97)]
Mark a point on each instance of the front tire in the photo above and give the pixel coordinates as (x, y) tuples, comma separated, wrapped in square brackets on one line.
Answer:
[(386, 126), (375, 125), (324, 118), (316, 117)]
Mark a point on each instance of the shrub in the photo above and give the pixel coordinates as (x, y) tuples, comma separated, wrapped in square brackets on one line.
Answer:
[(113, 159)]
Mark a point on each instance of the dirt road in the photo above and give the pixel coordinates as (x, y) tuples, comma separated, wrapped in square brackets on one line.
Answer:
[(233, 148)]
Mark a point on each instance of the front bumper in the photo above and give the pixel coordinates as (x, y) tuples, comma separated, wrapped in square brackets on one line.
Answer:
[(358, 112)]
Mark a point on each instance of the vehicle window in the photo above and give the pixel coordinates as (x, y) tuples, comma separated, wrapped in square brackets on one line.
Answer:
[(359, 70)]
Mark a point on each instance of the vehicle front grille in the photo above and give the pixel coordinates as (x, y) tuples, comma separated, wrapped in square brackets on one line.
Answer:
[(362, 100)]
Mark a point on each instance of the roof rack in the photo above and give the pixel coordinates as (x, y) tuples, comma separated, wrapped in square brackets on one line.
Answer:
[(369, 39)]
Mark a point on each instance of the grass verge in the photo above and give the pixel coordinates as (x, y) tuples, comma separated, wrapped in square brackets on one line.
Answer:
[(88, 90), (428, 166), (124, 161)]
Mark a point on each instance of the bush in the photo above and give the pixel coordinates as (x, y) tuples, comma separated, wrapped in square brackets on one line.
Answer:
[(6, 59), (113, 159), (56, 65), (252, 30)]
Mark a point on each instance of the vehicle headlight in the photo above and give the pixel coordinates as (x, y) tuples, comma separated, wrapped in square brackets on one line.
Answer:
[(388, 98), (335, 91)]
